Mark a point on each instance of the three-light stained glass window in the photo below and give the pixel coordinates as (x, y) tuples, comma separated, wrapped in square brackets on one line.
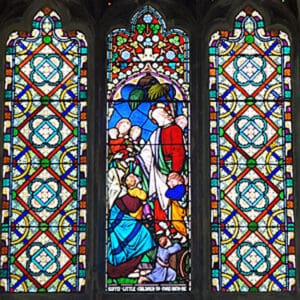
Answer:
[(252, 220), (43, 219), (148, 184)]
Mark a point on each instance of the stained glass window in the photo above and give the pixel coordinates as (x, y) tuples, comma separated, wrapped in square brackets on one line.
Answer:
[(148, 184), (43, 235), (252, 221)]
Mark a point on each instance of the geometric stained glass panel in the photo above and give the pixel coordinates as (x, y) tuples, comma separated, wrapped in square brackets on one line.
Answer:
[(43, 217), (148, 184), (252, 218)]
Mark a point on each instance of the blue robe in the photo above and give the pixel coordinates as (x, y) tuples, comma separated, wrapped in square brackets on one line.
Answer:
[(128, 237), (163, 273)]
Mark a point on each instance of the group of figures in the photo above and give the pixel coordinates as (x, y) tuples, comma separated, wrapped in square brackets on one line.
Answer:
[(147, 184)]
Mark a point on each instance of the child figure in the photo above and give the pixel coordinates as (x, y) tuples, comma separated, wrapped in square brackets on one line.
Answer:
[(162, 271), (135, 139), (175, 193), (133, 145), (133, 190), (123, 126), (135, 134), (115, 142), (182, 122), (117, 150), (118, 145), (133, 185)]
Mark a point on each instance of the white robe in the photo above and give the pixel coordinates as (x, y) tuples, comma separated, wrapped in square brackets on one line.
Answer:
[(148, 158)]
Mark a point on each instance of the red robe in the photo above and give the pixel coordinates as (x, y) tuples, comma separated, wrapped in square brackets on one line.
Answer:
[(171, 138), (172, 146), (117, 146)]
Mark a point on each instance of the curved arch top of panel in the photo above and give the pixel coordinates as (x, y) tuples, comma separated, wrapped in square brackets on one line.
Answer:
[(43, 216), (252, 218), (148, 45), (148, 203)]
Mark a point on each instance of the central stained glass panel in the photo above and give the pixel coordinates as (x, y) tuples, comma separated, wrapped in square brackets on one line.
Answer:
[(148, 184)]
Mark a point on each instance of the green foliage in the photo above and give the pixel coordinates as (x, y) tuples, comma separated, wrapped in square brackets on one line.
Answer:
[(155, 28), (140, 28), (121, 40), (156, 91), (135, 97), (124, 280), (175, 40), (150, 255)]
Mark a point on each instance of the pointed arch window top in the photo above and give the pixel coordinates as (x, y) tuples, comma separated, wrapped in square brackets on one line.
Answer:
[(148, 47), (47, 25), (237, 50), (249, 27)]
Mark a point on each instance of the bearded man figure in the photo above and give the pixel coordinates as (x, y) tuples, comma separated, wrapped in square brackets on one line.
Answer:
[(164, 153)]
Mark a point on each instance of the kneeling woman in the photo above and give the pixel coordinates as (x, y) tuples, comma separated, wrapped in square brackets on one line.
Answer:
[(128, 238)]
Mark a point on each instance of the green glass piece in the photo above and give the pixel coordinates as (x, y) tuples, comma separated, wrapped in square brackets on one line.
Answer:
[(252, 226), (249, 39), (250, 101), (74, 259), (223, 258), (17, 69), (222, 194), (12, 259), (251, 163), (279, 69), (13, 194), (221, 132), (45, 100), (75, 131), (47, 39), (43, 226), (15, 131), (45, 162), (283, 259)]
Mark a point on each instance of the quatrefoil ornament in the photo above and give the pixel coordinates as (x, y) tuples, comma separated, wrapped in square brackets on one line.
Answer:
[(253, 258)]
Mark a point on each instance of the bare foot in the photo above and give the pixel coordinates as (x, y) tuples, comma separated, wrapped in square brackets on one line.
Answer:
[(143, 279)]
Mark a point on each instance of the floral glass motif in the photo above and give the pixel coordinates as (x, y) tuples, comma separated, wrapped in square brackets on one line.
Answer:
[(148, 204), (252, 220), (43, 218)]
